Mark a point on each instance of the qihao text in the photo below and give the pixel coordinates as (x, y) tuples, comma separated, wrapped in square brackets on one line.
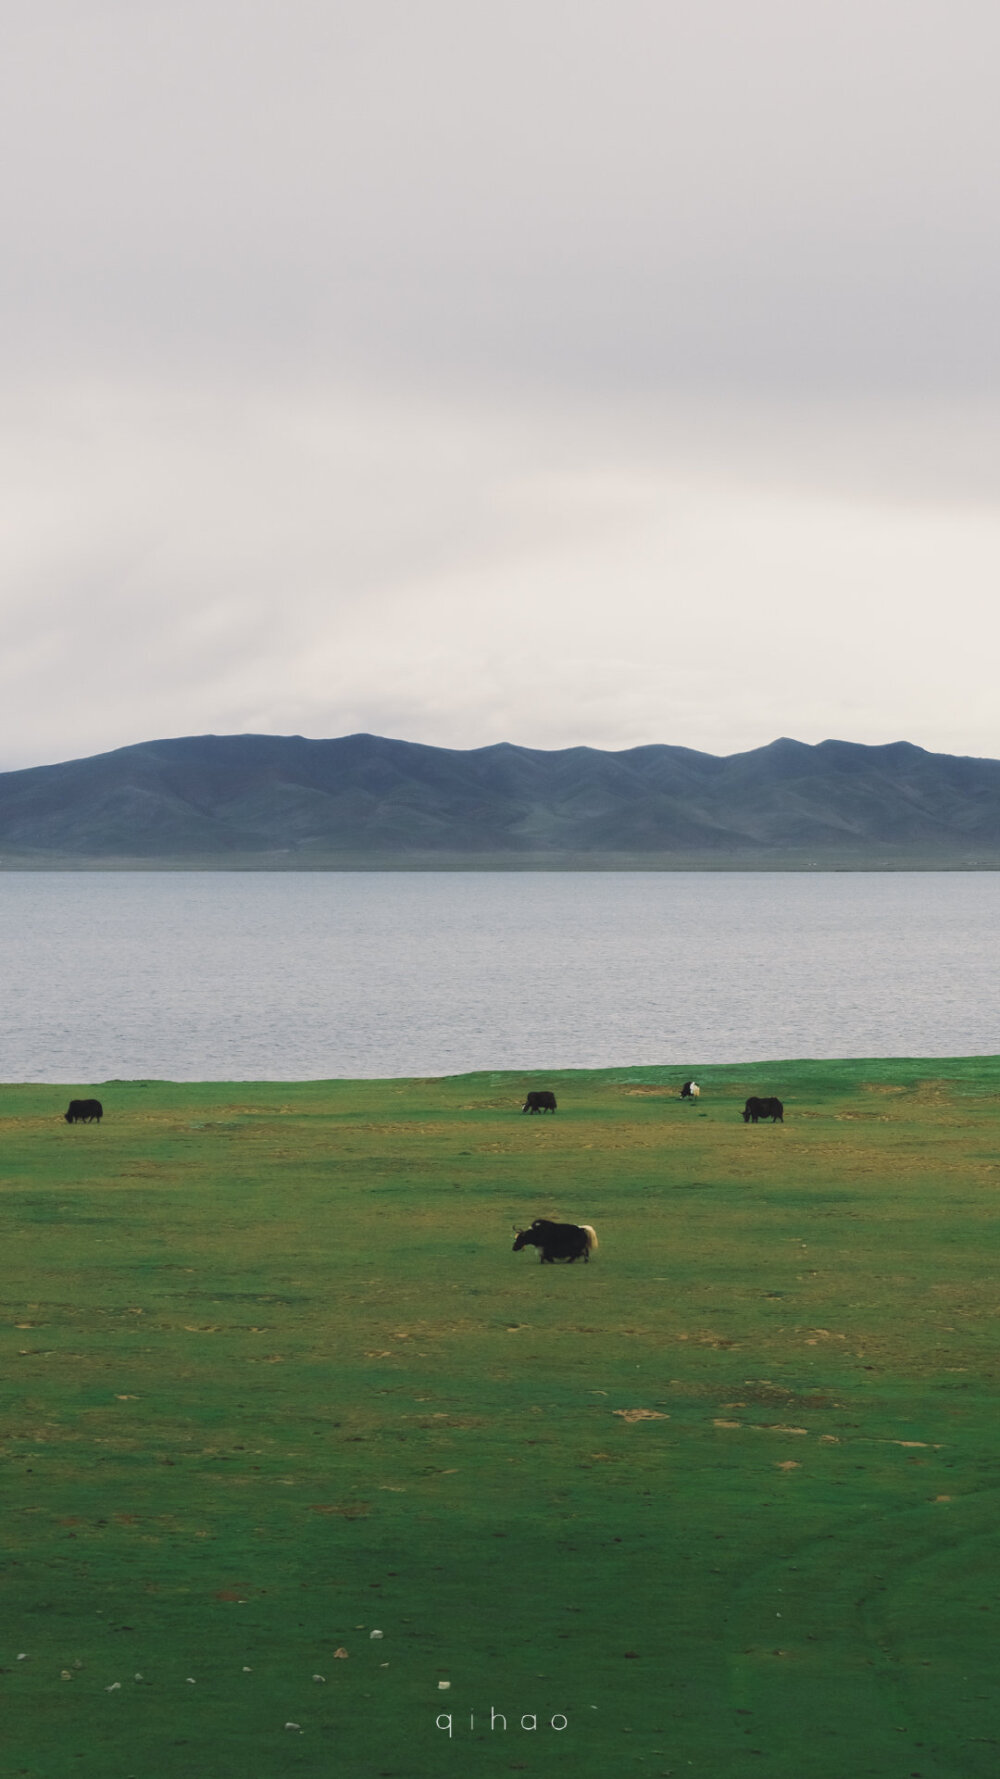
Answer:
[(448, 1722)]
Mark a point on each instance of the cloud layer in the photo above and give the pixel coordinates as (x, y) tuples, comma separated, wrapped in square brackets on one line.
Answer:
[(541, 373)]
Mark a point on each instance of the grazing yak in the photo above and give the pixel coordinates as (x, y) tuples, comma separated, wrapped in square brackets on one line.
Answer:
[(557, 1241), (756, 1108), (540, 1102), (84, 1112), (690, 1090)]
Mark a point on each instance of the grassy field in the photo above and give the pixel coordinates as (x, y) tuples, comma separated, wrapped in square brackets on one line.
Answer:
[(725, 1500)]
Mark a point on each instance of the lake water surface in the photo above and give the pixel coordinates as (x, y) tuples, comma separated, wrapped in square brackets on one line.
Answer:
[(261, 976)]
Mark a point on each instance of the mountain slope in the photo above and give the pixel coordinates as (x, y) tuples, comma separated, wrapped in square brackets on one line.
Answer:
[(283, 801)]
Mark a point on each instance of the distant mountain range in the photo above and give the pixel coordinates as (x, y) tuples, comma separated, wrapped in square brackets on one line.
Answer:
[(268, 802)]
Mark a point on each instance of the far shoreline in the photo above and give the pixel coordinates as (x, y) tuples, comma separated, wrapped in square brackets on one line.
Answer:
[(661, 1079), (499, 864)]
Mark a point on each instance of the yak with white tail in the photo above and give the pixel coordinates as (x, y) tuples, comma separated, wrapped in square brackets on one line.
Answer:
[(557, 1241)]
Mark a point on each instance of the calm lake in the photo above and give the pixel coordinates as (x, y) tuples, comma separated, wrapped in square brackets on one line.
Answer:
[(254, 976)]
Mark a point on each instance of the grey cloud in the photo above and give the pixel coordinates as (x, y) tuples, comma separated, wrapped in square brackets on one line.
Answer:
[(324, 559), (552, 372), (591, 192)]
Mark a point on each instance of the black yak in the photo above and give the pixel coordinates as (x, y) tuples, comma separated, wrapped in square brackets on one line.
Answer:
[(756, 1108), (84, 1112), (557, 1241)]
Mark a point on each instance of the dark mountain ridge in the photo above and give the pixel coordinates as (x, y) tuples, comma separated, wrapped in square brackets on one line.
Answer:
[(284, 802)]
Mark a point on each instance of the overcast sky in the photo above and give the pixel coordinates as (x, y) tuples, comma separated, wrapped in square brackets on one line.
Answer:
[(552, 371)]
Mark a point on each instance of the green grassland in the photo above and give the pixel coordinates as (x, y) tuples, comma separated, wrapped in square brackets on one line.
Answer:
[(274, 1380)]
